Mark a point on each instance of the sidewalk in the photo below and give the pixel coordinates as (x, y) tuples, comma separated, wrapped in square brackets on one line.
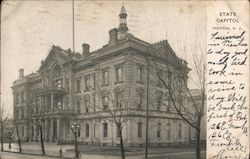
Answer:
[(101, 152)]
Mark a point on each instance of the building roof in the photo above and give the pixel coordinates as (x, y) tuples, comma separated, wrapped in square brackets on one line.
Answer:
[(161, 50)]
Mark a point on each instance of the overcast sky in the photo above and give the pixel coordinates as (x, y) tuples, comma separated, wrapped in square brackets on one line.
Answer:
[(30, 28)]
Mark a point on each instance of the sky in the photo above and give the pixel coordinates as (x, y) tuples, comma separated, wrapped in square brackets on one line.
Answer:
[(30, 28)]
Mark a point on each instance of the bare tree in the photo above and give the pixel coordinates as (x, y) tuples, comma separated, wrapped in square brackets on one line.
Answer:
[(174, 80), (115, 105), (38, 113), (18, 137), (3, 123)]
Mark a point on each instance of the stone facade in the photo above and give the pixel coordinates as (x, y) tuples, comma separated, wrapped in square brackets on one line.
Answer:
[(69, 86)]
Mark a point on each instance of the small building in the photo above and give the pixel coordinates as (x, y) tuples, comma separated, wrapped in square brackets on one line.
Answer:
[(72, 87)]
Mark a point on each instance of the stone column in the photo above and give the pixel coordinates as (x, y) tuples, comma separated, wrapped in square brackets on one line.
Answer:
[(129, 131), (58, 135), (46, 130), (51, 130), (52, 101), (30, 136)]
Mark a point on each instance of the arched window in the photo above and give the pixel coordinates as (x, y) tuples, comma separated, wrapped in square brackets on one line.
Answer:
[(57, 72)]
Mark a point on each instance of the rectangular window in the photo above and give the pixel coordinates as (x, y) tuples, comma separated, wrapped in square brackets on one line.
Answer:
[(67, 85), (87, 105), (179, 131), (79, 132), (105, 130), (78, 85), (140, 101), (22, 132), (118, 132), (159, 102), (87, 83), (118, 101), (139, 74), (159, 130), (22, 97), (118, 74), (168, 131), (94, 103), (105, 77), (78, 106), (87, 130), (105, 102), (17, 98), (159, 75), (94, 80), (139, 130)]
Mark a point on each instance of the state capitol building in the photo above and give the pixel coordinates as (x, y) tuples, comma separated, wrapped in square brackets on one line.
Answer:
[(74, 87)]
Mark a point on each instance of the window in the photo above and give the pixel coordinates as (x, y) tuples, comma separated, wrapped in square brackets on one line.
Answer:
[(78, 106), (159, 73), (87, 130), (67, 85), (22, 132), (105, 102), (140, 101), (159, 102), (87, 105), (22, 97), (168, 131), (94, 80), (78, 85), (139, 74), (22, 113), (179, 131), (118, 100), (58, 83), (79, 132), (57, 71), (159, 130), (105, 130), (105, 77), (118, 74), (139, 130), (87, 83), (94, 103), (118, 132), (17, 98)]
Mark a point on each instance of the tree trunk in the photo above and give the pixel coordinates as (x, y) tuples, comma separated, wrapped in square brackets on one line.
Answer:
[(41, 139), (1, 136), (19, 140), (198, 150), (121, 143)]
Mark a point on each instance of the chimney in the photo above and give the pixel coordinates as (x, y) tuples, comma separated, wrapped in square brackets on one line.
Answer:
[(21, 75), (113, 35), (85, 50)]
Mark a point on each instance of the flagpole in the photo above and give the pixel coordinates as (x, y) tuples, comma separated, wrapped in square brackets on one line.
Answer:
[(73, 25)]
